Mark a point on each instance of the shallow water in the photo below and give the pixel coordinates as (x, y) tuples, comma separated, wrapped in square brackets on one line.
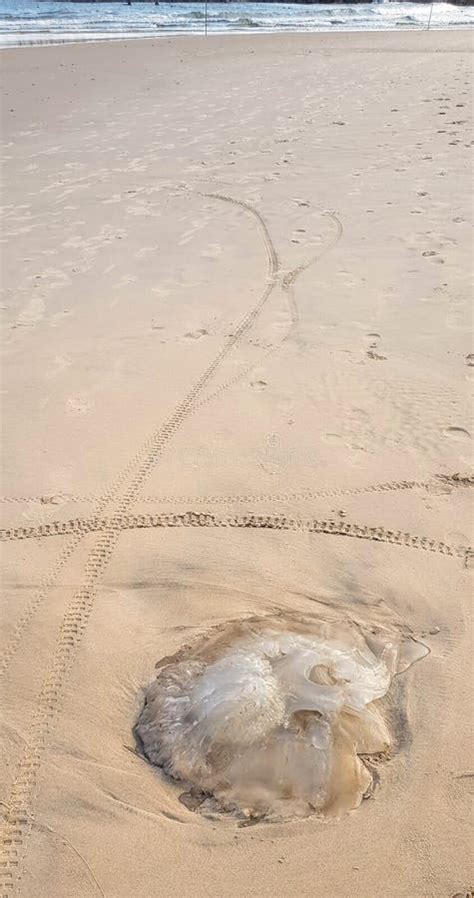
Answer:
[(25, 22), (275, 717)]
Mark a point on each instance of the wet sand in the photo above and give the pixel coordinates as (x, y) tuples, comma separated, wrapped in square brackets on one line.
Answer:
[(235, 374)]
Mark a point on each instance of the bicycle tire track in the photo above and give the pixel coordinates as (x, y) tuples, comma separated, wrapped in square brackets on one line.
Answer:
[(49, 579), (17, 827), (116, 523), (454, 480), (273, 268), (287, 284), (159, 438)]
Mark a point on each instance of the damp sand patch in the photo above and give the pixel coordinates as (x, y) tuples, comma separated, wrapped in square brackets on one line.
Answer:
[(280, 716)]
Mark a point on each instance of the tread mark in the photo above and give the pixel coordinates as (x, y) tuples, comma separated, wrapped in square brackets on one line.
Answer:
[(141, 464), (168, 429), (455, 480), (77, 614), (116, 523)]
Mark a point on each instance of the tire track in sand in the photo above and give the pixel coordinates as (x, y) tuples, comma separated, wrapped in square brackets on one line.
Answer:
[(158, 439), (119, 522), (453, 480), (288, 279), (17, 824), (18, 817), (287, 285), (437, 480)]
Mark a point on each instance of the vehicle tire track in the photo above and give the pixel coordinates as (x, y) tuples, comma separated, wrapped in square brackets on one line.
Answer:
[(77, 614), (272, 273), (140, 463), (454, 480), (287, 284), (18, 819), (116, 523)]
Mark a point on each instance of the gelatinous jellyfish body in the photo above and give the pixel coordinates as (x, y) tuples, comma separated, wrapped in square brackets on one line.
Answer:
[(275, 717)]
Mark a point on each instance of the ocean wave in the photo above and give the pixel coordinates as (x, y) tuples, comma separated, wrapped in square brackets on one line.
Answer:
[(247, 22), (20, 20), (170, 26)]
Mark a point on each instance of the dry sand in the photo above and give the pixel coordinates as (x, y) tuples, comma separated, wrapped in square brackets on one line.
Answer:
[(235, 282)]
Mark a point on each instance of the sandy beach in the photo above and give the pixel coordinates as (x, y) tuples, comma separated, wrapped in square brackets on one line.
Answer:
[(236, 377)]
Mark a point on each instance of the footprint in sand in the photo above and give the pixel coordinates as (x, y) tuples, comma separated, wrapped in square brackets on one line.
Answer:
[(374, 345), (196, 335), (258, 385), (33, 313), (433, 255), (457, 433), (59, 365), (332, 438), (77, 405), (470, 360)]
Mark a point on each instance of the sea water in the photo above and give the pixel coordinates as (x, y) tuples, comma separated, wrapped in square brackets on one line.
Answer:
[(26, 22)]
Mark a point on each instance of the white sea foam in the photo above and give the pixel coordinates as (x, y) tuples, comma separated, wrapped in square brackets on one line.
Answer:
[(25, 22)]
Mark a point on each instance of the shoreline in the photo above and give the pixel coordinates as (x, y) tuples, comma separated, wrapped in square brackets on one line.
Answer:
[(276, 2), (234, 33), (121, 22)]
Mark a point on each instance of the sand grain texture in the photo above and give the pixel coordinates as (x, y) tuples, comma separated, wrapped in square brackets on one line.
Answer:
[(234, 284)]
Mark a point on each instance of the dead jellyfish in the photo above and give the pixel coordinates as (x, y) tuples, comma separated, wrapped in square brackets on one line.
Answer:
[(276, 717)]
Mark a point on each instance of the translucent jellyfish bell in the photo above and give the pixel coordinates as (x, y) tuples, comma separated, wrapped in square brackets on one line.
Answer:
[(237, 700), (273, 717), (293, 672)]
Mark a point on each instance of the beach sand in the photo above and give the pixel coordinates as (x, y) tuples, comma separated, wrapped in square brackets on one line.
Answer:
[(235, 283)]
